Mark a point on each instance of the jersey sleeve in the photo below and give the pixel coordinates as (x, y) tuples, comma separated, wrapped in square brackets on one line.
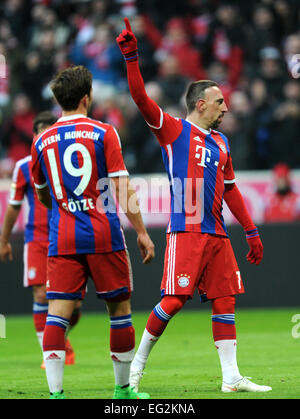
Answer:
[(168, 129), (113, 154), (18, 186), (37, 173), (229, 176), (164, 126)]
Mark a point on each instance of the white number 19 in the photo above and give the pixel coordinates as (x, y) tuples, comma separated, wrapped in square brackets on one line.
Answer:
[(85, 172)]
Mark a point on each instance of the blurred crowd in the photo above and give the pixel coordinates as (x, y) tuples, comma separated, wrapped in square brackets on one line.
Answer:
[(249, 48)]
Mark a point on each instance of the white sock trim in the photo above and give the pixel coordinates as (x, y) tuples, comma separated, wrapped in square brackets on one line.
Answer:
[(122, 356)]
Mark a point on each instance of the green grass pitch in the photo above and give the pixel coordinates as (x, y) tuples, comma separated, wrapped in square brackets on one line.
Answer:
[(183, 365)]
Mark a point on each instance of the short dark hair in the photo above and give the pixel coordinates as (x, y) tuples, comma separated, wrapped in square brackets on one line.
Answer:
[(196, 91), (43, 120), (71, 85)]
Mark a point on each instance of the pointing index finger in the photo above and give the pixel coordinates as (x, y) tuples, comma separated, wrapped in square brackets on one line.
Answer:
[(127, 24)]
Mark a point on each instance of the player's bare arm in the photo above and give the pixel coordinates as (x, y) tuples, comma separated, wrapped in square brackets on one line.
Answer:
[(127, 198), (10, 219), (45, 197)]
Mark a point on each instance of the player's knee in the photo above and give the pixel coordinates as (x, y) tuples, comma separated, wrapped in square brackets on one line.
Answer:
[(172, 304), (78, 305), (125, 296), (224, 305), (118, 307), (61, 308), (39, 294)]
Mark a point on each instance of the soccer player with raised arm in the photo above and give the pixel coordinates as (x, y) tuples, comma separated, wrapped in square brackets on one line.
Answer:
[(74, 162), (36, 238), (198, 252)]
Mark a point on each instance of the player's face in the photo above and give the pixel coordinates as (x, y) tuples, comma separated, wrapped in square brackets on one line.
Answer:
[(215, 107)]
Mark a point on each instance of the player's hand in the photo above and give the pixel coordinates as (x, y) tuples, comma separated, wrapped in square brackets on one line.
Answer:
[(5, 252), (146, 246), (255, 253), (127, 43)]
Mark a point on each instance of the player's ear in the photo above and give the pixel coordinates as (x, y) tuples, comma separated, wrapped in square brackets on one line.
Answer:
[(85, 101), (201, 105), (90, 98)]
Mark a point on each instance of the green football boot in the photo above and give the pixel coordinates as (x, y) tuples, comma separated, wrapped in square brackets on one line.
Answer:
[(57, 395), (128, 393)]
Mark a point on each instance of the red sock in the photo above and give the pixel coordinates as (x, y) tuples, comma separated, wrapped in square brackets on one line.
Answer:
[(122, 334), (223, 318), (54, 339), (39, 314), (163, 312), (122, 340), (54, 333)]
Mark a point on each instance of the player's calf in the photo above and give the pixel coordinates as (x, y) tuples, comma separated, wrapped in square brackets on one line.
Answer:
[(39, 311), (157, 323)]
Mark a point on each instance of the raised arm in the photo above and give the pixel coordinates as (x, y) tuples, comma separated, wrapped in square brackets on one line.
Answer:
[(164, 126), (128, 45)]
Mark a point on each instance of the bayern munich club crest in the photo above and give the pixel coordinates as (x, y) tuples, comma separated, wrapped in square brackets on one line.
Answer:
[(183, 280), (32, 273)]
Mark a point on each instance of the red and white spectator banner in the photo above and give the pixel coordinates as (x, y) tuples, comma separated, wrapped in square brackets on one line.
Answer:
[(154, 197)]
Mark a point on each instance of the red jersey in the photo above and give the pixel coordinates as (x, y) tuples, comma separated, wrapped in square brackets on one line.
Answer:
[(37, 227), (198, 164), (71, 157)]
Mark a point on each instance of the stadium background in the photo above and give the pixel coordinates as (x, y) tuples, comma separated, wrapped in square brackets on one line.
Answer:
[(249, 48)]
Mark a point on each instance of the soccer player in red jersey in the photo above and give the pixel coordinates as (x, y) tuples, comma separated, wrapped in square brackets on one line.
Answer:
[(74, 163), (36, 237), (198, 253)]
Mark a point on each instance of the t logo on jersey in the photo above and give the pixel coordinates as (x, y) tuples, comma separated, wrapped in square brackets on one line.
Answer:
[(203, 154)]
